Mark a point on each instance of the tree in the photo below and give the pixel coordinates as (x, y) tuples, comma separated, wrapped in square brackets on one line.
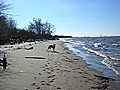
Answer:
[(36, 26), (49, 28), (10, 33), (11, 23), (7, 25), (43, 30), (3, 8)]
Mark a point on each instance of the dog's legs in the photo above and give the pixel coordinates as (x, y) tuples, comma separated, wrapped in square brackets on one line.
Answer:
[(53, 49)]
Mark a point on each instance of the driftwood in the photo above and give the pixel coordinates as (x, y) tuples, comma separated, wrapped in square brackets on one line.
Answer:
[(35, 57)]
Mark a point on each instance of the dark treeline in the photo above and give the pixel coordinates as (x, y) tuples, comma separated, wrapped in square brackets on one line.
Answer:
[(9, 33), (58, 36)]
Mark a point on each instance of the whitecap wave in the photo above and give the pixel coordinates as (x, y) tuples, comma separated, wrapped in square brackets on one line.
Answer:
[(109, 64), (103, 54), (116, 45), (98, 45)]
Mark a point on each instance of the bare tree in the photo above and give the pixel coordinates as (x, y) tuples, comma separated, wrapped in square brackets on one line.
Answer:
[(36, 26), (42, 29), (49, 28), (3, 8), (6, 23)]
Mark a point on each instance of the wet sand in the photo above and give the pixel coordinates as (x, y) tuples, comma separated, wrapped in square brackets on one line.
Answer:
[(34, 68)]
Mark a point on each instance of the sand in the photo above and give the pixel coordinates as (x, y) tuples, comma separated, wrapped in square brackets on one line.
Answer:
[(32, 67)]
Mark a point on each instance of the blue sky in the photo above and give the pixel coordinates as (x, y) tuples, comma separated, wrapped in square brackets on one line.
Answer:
[(71, 17)]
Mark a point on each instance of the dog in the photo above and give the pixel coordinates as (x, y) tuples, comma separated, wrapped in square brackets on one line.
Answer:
[(52, 46)]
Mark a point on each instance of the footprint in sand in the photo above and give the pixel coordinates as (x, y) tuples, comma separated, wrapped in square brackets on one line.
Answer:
[(35, 77), (39, 73), (52, 76), (46, 65), (48, 72), (52, 70), (47, 84), (80, 72), (48, 68), (87, 81), (38, 88), (58, 88), (51, 81), (42, 67), (84, 76), (44, 70), (33, 84), (55, 66), (42, 81)]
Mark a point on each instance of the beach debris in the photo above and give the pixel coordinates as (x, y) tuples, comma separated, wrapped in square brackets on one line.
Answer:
[(35, 57), (29, 48)]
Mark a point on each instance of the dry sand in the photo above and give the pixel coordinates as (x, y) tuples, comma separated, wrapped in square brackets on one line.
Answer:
[(38, 69)]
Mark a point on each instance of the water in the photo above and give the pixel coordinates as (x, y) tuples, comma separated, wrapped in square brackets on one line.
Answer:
[(101, 53)]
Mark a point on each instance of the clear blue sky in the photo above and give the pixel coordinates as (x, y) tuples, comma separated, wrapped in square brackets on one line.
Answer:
[(71, 17)]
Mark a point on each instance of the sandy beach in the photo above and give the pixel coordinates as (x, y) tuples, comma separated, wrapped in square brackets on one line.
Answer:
[(32, 67)]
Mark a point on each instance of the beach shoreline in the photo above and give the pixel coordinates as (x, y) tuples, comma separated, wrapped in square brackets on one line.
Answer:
[(49, 70)]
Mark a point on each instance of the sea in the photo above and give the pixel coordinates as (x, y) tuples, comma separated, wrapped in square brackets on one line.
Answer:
[(100, 53)]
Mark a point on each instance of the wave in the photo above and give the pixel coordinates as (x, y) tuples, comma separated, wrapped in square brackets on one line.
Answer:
[(116, 45), (103, 54), (108, 59), (98, 45), (110, 64), (115, 57), (96, 52)]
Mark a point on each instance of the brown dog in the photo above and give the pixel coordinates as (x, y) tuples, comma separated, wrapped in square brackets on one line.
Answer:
[(52, 46)]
